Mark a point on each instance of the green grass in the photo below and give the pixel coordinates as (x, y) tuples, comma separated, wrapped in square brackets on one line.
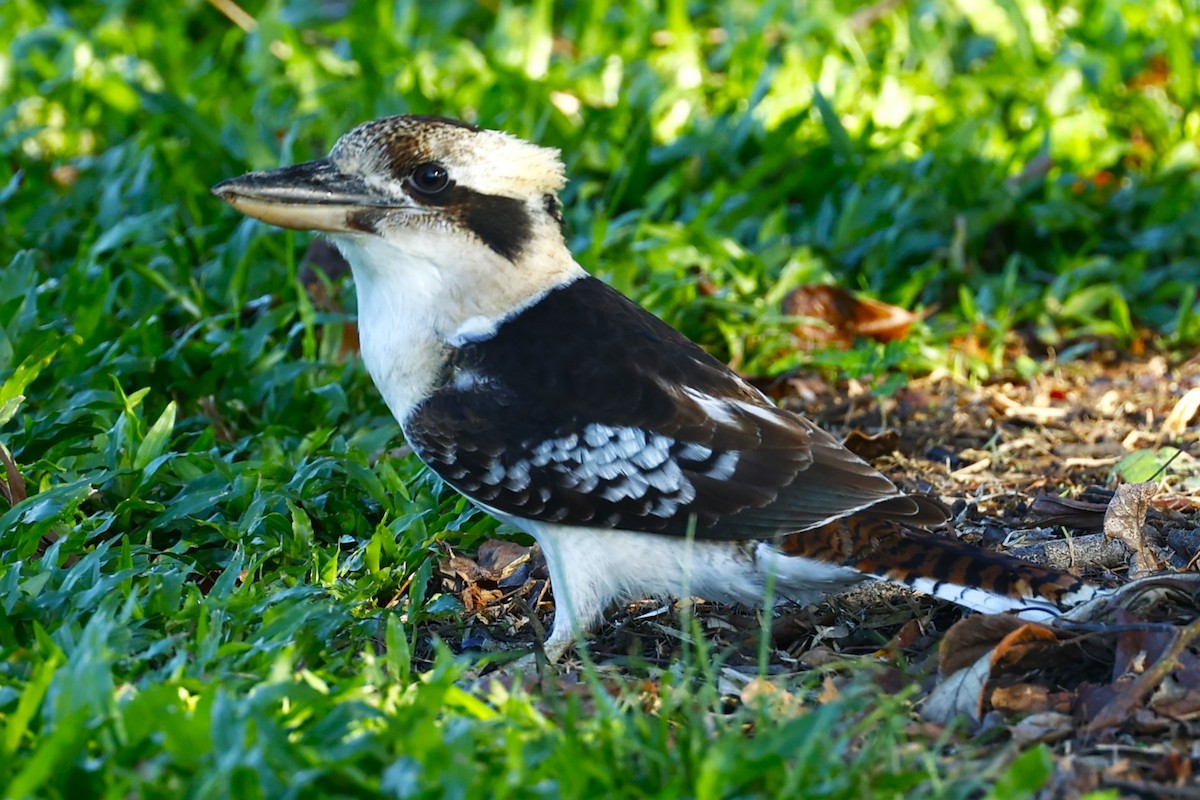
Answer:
[(222, 581)]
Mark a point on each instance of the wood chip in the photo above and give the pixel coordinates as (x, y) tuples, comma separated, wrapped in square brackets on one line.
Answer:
[(1038, 415), (971, 469)]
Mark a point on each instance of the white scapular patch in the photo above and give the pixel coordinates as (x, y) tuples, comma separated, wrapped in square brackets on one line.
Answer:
[(475, 329), (480, 327)]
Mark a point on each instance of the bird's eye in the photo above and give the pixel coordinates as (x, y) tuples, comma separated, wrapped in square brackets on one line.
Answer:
[(430, 178)]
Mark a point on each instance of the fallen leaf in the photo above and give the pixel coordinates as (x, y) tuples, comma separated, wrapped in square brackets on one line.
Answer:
[(1174, 701), (476, 598), (1175, 768), (871, 446), (1138, 646), (1038, 415), (1123, 705), (12, 486), (829, 691), (460, 567), (845, 315), (761, 693), (1064, 511), (820, 656), (1125, 519), (972, 637), (904, 638), (971, 651), (960, 694), (1183, 413), (1021, 697), (1046, 726), (507, 563), (1144, 465)]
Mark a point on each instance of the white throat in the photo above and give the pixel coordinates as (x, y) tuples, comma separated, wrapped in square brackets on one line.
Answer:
[(436, 291)]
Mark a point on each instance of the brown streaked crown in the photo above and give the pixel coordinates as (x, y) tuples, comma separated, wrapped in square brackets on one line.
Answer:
[(490, 182), (486, 161)]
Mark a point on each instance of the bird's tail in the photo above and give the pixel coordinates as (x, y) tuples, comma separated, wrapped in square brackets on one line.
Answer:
[(942, 567)]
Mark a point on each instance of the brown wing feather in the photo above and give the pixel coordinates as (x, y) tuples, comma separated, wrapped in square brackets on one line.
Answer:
[(587, 410)]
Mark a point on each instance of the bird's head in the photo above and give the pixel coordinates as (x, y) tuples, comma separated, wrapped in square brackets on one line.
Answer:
[(424, 198), (449, 230)]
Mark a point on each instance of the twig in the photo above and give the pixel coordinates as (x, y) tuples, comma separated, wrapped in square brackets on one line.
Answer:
[(1117, 711), (235, 14), (1092, 550)]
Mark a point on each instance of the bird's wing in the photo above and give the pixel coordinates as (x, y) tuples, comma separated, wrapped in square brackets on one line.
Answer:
[(584, 409)]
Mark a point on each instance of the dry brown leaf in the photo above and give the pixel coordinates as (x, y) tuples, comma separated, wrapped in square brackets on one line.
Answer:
[(821, 656), (960, 694), (506, 563), (1025, 641), (1046, 726), (970, 652), (1038, 415), (972, 637), (13, 484), (475, 598), (1183, 413), (1175, 768), (829, 691), (846, 316), (760, 692), (1174, 701), (1067, 512), (1125, 519), (1125, 703), (1021, 697), (977, 648), (871, 446), (904, 638), (1178, 697), (460, 567), (1138, 646)]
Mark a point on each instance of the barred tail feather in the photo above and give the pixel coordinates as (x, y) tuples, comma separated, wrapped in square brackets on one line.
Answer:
[(942, 567)]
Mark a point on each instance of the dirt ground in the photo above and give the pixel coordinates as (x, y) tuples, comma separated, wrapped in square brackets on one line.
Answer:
[(1027, 467)]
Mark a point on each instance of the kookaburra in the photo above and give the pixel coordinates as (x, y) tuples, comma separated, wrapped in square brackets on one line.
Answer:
[(641, 465)]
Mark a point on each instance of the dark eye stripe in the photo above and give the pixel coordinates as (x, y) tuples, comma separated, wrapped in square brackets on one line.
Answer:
[(502, 223)]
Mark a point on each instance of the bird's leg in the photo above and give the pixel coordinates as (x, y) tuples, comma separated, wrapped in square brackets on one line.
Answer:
[(581, 594), (561, 638), (564, 633)]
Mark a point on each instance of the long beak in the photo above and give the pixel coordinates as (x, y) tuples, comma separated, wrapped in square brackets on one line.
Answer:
[(314, 196)]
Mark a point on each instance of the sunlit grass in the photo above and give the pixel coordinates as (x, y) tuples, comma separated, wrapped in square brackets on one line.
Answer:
[(223, 581)]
